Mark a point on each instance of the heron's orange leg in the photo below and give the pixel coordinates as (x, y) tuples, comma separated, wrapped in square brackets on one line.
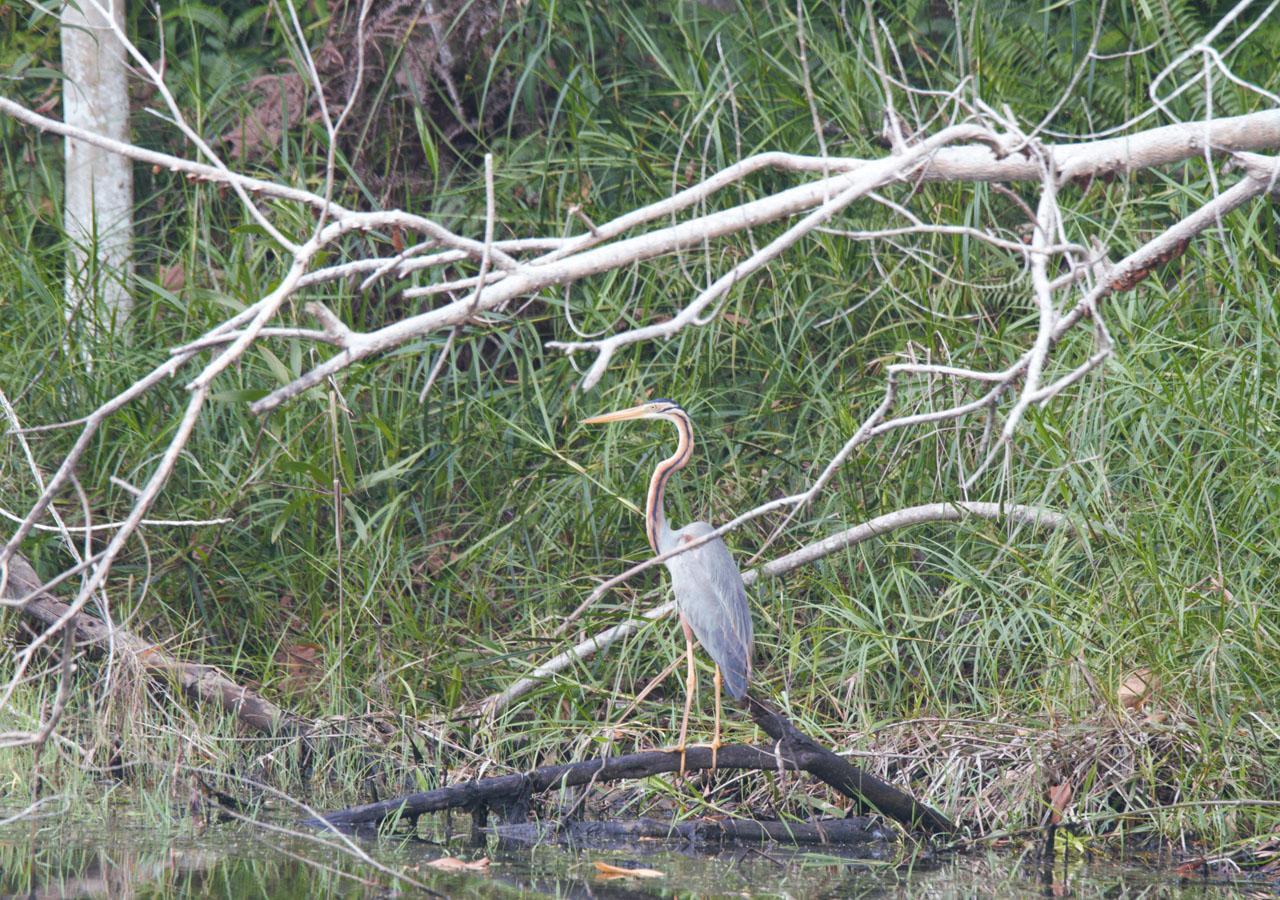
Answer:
[(689, 685), (715, 741)]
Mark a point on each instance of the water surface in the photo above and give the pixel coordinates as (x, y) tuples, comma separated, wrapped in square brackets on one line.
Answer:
[(119, 854)]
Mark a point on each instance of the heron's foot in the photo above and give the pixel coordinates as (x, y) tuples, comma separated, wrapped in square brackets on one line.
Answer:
[(714, 746)]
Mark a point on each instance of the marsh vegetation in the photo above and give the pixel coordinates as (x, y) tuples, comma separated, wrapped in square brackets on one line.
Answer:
[(389, 546)]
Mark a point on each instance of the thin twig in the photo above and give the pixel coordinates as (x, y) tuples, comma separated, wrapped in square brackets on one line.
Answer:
[(916, 515)]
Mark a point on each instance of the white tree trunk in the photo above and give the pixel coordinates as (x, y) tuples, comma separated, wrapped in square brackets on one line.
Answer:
[(98, 214)]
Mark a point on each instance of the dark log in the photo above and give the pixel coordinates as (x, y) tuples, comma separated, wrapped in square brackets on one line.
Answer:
[(853, 830), (846, 778), (795, 752), (200, 682), (503, 791)]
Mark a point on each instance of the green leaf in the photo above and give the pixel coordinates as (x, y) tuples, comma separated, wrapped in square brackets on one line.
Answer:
[(278, 368), (395, 470)]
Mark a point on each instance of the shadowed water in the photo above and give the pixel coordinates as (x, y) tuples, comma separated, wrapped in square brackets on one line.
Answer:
[(122, 856)]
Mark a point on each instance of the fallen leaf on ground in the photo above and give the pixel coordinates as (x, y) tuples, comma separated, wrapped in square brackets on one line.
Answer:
[(453, 864), (1137, 688), (1192, 868), (605, 870), (440, 554), (303, 666)]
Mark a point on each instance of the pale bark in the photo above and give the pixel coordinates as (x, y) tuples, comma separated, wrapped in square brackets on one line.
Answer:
[(98, 210), (917, 515), (1068, 273)]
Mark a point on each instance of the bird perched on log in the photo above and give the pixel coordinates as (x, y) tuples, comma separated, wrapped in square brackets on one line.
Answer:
[(709, 593)]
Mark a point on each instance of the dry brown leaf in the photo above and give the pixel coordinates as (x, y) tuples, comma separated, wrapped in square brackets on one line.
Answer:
[(453, 864), (173, 277), (605, 870), (303, 665), (302, 656), (1193, 868), (1217, 585), (440, 555), (1059, 797), (735, 319), (1137, 688)]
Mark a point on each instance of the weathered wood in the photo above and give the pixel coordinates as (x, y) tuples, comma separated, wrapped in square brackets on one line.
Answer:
[(200, 682), (97, 214), (793, 752), (502, 791), (846, 778)]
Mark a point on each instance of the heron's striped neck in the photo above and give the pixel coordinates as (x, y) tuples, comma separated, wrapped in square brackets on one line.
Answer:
[(654, 520)]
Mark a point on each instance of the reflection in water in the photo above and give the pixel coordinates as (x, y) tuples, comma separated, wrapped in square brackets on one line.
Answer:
[(123, 858)]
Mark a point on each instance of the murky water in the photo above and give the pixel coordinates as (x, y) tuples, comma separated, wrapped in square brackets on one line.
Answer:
[(54, 857)]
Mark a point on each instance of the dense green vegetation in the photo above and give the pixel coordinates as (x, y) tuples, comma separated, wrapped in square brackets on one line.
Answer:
[(467, 525)]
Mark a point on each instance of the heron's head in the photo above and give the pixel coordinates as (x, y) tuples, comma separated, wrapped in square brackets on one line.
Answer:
[(654, 409)]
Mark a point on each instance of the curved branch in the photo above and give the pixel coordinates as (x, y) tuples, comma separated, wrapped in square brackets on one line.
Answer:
[(191, 169), (205, 683), (536, 275), (792, 751), (903, 518)]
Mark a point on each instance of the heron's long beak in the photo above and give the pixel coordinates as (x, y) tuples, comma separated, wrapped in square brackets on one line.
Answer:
[(634, 412)]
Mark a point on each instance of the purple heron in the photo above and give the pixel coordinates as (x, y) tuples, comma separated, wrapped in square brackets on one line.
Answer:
[(708, 588)]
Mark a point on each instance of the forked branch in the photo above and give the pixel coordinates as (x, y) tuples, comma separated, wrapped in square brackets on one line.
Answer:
[(478, 275)]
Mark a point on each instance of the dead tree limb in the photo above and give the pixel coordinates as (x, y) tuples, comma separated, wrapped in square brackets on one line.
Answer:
[(206, 683), (508, 795), (846, 778), (955, 511)]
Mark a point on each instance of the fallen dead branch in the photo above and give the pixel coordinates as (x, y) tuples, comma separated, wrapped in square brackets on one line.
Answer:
[(1016, 513), (508, 795), (204, 683)]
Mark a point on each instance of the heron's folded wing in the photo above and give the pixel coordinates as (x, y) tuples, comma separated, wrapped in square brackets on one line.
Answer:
[(710, 594)]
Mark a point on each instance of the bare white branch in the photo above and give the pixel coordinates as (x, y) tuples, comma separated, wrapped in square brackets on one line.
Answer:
[(480, 276), (903, 518)]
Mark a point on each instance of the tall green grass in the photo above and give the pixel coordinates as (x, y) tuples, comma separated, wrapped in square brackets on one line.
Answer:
[(472, 522)]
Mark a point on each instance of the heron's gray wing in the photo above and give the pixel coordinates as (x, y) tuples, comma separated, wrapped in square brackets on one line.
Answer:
[(710, 594)]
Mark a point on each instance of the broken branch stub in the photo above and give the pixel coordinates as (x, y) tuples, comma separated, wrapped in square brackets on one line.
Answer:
[(978, 144)]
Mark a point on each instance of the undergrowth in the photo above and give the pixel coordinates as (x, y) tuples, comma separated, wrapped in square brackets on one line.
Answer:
[(979, 664)]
